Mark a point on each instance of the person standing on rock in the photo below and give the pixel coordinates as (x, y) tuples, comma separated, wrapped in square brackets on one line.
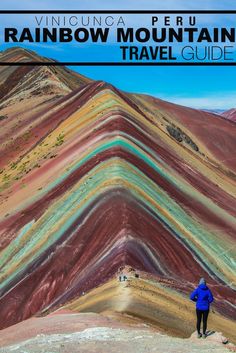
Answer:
[(203, 298)]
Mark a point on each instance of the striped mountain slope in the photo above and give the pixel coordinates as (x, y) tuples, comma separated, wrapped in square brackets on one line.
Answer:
[(96, 179)]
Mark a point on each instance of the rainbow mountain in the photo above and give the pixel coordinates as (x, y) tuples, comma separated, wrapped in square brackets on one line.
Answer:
[(95, 181)]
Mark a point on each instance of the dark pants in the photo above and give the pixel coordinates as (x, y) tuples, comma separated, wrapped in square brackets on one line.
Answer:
[(202, 314)]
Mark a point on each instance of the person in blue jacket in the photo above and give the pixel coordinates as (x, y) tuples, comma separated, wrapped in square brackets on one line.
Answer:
[(203, 298)]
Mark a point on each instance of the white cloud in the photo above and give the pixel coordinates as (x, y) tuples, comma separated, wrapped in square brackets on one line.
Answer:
[(225, 101)]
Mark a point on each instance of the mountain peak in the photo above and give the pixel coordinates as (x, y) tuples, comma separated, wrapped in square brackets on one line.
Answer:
[(19, 54), (230, 114)]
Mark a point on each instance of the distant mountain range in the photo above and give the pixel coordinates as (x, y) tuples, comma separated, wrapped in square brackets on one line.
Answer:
[(215, 111), (228, 114), (96, 182)]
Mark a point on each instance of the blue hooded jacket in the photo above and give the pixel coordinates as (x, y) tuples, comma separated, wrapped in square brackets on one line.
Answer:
[(202, 296)]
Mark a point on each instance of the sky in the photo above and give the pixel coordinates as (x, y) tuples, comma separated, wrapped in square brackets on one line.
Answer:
[(198, 87)]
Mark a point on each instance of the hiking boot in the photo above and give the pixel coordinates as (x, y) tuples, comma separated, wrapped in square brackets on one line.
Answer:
[(204, 335), (199, 335)]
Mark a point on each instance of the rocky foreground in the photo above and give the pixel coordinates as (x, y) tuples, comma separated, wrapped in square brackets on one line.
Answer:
[(89, 333)]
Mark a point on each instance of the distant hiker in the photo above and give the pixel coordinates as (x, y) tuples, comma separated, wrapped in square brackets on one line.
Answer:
[(123, 278), (203, 297)]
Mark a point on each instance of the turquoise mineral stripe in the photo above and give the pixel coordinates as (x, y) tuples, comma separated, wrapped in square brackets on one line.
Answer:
[(118, 141), (122, 142), (12, 247), (127, 173), (69, 205)]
